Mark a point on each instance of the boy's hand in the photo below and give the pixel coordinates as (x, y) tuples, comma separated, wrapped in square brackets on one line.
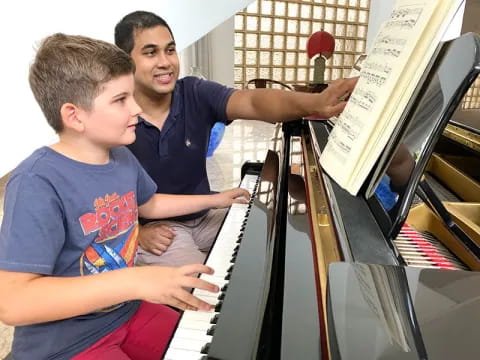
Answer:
[(227, 198), (166, 285), (156, 238)]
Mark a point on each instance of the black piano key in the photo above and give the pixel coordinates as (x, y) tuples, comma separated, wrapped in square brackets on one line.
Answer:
[(214, 319), (205, 348), (218, 307), (211, 330)]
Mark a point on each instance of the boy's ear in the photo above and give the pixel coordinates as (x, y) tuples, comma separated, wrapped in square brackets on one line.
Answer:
[(71, 117)]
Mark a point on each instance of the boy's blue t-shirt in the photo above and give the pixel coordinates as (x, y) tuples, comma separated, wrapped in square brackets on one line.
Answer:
[(66, 218)]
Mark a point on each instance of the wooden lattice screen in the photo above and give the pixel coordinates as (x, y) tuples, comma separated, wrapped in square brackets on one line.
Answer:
[(271, 37), (471, 99)]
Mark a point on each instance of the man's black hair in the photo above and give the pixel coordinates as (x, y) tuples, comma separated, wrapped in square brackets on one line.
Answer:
[(125, 29)]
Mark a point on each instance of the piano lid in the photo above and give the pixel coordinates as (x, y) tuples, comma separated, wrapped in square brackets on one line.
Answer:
[(399, 313)]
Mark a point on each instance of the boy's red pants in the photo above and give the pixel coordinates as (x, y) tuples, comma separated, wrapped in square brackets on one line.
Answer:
[(143, 337)]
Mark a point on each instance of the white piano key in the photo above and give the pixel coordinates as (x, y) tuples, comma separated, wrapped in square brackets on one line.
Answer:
[(212, 300), (217, 280), (193, 334), (196, 325), (200, 292), (187, 344), (179, 354), (198, 315)]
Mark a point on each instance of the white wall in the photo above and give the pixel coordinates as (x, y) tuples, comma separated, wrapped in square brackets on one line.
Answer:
[(212, 55), (222, 53), (24, 23)]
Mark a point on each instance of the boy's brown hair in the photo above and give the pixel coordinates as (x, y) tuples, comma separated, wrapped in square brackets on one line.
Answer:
[(72, 69)]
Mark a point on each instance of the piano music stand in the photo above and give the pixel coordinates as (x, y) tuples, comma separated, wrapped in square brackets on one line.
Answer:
[(423, 122)]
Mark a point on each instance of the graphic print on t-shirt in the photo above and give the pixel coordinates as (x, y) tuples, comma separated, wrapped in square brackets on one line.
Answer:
[(115, 221)]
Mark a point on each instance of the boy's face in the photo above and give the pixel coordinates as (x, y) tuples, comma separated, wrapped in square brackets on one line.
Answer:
[(113, 117), (156, 61)]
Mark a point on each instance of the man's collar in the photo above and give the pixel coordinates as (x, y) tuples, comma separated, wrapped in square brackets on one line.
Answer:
[(141, 121), (175, 105)]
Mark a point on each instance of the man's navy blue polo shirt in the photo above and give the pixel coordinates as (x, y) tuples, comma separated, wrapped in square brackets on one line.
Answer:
[(175, 157)]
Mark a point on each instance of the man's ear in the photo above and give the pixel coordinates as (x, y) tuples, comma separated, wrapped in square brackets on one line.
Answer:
[(71, 117)]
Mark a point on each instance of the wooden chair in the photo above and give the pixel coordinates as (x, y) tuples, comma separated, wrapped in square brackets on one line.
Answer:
[(264, 83)]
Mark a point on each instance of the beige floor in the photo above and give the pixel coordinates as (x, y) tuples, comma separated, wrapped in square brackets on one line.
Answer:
[(242, 141)]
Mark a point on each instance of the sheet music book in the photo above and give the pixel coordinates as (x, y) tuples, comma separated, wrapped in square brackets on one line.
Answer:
[(401, 53)]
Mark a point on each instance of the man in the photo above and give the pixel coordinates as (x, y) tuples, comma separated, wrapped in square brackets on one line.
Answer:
[(174, 129)]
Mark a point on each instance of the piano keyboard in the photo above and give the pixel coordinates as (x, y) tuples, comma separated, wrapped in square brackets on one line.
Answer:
[(422, 249), (195, 328)]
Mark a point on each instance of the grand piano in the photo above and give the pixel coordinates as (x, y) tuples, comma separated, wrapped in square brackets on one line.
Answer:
[(310, 272)]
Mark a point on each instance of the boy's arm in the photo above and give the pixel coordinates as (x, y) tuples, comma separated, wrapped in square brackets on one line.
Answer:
[(162, 206), (31, 298)]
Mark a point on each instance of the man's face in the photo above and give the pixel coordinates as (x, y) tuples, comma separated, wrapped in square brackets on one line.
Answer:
[(113, 117), (156, 61)]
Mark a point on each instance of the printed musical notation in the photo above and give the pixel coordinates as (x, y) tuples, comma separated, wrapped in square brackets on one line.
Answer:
[(402, 24), (386, 52), (404, 18), (340, 149), (350, 126), (390, 40), (381, 68), (406, 12), (373, 78), (388, 45), (364, 99)]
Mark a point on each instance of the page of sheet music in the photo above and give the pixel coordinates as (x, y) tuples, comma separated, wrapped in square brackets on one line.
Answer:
[(380, 87)]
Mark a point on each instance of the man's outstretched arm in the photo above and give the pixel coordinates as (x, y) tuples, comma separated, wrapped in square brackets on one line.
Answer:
[(278, 105)]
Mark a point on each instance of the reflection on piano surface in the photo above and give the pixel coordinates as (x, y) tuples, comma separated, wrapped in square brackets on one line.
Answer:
[(391, 312), (309, 272)]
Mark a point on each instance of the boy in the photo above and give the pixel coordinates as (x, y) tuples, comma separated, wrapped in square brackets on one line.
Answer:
[(69, 233)]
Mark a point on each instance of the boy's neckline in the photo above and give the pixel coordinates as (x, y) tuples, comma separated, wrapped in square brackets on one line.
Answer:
[(86, 158), (79, 163)]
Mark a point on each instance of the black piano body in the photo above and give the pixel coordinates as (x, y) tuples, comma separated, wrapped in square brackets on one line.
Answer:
[(318, 275)]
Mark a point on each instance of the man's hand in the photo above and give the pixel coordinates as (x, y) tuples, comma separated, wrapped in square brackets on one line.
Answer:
[(156, 238), (166, 285), (227, 198), (334, 98)]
